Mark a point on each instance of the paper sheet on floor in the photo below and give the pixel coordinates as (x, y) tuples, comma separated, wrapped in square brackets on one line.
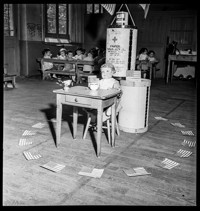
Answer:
[(91, 172), (187, 133), (139, 171), (31, 156), (28, 133), (177, 124), (23, 142), (183, 153), (167, 164), (52, 166), (160, 118), (39, 125), (188, 143)]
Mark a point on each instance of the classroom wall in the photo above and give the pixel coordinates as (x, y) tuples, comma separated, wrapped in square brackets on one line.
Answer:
[(152, 31), (91, 30), (31, 41)]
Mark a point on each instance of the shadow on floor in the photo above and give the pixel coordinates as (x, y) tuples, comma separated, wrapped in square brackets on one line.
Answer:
[(67, 115)]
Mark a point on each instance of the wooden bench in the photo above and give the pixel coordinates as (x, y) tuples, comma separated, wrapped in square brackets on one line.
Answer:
[(53, 71), (77, 73)]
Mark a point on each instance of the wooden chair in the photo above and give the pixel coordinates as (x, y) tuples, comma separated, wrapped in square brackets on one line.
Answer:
[(154, 70), (106, 123), (8, 78), (81, 74)]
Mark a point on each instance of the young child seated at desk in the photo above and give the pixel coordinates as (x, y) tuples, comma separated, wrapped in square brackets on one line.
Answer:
[(88, 68), (107, 82), (142, 61), (47, 55), (69, 67), (47, 65), (151, 57), (79, 54), (62, 54)]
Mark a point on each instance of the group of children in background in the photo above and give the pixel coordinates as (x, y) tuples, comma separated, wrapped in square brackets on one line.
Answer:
[(95, 54)]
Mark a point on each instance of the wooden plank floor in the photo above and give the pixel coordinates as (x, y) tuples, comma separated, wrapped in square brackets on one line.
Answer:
[(26, 183)]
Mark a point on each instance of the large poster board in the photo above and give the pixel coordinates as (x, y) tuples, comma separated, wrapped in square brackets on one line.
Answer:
[(118, 49)]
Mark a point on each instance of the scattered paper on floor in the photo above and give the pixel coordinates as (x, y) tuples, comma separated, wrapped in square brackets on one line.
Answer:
[(183, 153), (189, 143), (91, 172), (53, 166), (177, 124), (23, 142), (160, 118), (168, 164), (28, 133), (139, 171), (39, 125), (31, 156), (187, 133)]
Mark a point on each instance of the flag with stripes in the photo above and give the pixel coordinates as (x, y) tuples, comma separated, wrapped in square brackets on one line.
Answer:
[(55, 167), (28, 133), (189, 143), (23, 142), (31, 156), (109, 7), (168, 164), (187, 133), (145, 7), (139, 171), (183, 153)]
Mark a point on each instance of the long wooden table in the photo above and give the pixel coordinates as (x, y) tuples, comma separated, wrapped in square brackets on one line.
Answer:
[(80, 96), (77, 63), (177, 58)]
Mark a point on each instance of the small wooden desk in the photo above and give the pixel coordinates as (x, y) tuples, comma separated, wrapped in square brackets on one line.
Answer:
[(177, 58), (76, 62), (80, 96)]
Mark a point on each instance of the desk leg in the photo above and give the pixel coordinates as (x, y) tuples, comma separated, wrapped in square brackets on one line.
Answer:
[(99, 129), (172, 72), (168, 70), (75, 120), (58, 119), (113, 122), (77, 74), (13, 82)]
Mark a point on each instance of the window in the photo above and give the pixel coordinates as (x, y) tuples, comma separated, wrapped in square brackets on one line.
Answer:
[(182, 30), (56, 21), (94, 9), (8, 20)]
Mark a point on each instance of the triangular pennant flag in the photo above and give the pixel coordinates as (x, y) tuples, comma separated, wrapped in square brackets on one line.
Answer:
[(145, 7), (109, 7)]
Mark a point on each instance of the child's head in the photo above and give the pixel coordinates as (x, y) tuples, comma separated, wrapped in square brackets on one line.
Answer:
[(70, 54), (63, 52), (46, 52), (79, 51), (151, 53), (107, 70), (90, 54), (143, 51)]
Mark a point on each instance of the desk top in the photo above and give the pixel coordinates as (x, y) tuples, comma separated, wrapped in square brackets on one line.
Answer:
[(62, 61), (82, 91), (183, 57)]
